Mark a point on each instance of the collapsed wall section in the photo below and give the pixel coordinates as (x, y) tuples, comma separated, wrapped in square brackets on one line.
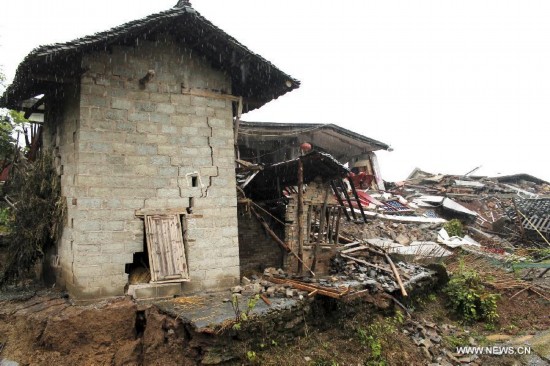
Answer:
[(314, 197), (148, 147), (258, 250)]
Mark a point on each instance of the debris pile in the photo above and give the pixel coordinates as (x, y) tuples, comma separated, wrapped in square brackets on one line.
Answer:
[(429, 338)]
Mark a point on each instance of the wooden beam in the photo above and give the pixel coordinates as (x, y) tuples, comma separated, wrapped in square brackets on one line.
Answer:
[(397, 277), (210, 94), (300, 216), (339, 198), (354, 191), (321, 229), (277, 239), (309, 287), (345, 191), (34, 108), (165, 211), (337, 233), (269, 231), (366, 263)]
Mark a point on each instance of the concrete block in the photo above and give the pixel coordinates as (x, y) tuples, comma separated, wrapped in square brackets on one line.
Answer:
[(139, 95), (198, 101), (158, 139), (180, 99), (159, 118), (180, 120), (125, 127), (160, 160), (113, 226), (97, 147), (93, 101), (143, 149), (168, 129), (134, 247), (198, 121), (217, 103), (118, 103), (85, 203), (165, 108), (113, 159), (138, 117), (209, 171), (122, 258), (153, 291), (115, 114), (145, 106), (87, 271), (98, 90), (171, 171), (168, 193), (168, 150), (147, 127), (160, 98)]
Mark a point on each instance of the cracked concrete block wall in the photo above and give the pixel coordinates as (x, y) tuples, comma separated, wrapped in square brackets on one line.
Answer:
[(130, 147)]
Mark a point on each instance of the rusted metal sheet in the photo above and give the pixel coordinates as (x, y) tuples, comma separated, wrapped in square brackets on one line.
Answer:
[(166, 248)]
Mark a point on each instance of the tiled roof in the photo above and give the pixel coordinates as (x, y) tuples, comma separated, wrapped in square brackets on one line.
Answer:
[(254, 78)]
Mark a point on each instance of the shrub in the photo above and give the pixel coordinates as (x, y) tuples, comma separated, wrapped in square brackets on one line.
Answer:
[(454, 228), (469, 299), (375, 335), (37, 216)]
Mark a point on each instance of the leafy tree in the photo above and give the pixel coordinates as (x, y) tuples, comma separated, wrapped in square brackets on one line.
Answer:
[(6, 127)]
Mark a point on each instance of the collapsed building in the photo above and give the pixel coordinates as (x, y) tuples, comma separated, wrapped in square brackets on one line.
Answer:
[(143, 121), (287, 202)]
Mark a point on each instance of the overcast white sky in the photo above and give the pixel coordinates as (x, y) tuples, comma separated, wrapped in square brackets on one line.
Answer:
[(450, 85)]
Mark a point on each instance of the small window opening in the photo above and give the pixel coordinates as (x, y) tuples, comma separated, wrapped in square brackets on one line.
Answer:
[(194, 181)]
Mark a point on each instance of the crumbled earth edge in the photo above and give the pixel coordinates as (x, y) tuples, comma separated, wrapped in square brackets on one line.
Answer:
[(45, 329)]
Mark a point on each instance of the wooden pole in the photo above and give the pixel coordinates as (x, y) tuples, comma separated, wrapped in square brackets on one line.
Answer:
[(345, 191), (357, 199), (337, 233), (321, 229), (277, 239), (308, 222), (269, 231), (339, 198), (397, 277), (518, 221), (300, 215)]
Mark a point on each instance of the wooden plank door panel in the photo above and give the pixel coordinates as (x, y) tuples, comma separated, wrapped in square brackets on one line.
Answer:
[(166, 248)]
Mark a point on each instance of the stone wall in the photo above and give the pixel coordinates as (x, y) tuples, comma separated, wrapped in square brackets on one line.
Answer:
[(257, 249), (149, 148)]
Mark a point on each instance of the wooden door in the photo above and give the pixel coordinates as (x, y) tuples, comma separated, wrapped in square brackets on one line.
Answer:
[(166, 248)]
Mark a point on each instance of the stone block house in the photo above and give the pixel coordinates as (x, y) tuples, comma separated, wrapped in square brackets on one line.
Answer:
[(140, 120)]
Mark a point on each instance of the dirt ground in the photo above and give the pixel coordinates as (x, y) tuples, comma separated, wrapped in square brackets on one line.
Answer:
[(44, 328)]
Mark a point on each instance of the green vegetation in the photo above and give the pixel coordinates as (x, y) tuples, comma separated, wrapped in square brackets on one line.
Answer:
[(454, 228), (376, 335), (36, 216), (468, 297), (240, 315)]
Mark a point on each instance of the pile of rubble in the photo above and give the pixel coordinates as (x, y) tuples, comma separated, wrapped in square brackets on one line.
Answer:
[(429, 338), (516, 207)]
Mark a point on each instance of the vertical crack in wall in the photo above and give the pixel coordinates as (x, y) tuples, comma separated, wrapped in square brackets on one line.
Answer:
[(211, 153)]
